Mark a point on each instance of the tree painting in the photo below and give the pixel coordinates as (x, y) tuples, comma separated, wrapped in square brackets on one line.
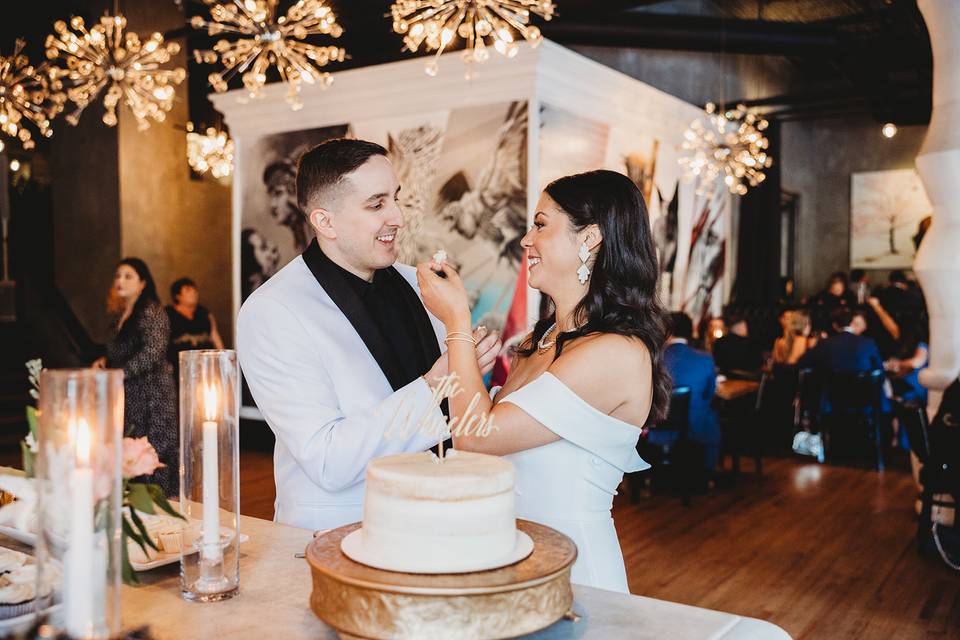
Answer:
[(886, 209)]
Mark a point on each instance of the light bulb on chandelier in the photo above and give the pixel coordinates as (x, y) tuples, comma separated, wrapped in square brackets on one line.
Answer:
[(435, 25), (727, 143)]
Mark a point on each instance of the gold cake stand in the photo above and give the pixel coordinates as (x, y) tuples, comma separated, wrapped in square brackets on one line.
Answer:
[(361, 602)]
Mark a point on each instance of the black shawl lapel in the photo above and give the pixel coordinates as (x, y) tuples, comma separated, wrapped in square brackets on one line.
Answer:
[(353, 308), (426, 336)]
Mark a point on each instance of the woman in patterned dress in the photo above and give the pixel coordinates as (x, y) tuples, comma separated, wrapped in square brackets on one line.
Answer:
[(138, 344)]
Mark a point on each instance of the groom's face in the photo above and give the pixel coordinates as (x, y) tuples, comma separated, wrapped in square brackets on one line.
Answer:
[(367, 216)]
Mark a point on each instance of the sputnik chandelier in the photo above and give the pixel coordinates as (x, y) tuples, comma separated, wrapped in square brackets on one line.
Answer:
[(25, 98), (436, 24), (210, 151), (728, 143), (106, 56), (267, 39)]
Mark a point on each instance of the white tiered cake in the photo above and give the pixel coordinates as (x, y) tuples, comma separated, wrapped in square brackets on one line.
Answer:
[(424, 516)]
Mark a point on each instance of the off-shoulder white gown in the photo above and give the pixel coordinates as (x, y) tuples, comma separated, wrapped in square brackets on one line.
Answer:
[(569, 484)]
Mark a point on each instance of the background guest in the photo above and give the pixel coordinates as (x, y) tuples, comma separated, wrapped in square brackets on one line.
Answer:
[(904, 367), (882, 327), (847, 350), (710, 330), (689, 367), (858, 323), (823, 303), (836, 294), (859, 286), (736, 354), (788, 294), (192, 326), (899, 298), (904, 373), (138, 344), (790, 347)]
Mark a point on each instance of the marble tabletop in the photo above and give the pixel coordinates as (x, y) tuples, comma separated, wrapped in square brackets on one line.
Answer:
[(275, 590)]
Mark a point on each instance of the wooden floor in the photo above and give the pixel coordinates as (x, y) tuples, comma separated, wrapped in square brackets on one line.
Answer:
[(822, 551)]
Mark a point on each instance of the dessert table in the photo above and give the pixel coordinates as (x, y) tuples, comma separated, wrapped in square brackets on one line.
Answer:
[(275, 592)]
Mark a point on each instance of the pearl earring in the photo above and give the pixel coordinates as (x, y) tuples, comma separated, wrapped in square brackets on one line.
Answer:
[(583, 273)]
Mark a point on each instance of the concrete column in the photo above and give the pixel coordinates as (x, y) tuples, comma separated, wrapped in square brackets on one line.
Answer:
[(937, 264)]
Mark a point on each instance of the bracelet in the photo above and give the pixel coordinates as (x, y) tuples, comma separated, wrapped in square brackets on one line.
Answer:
[(460, 333), (448, 339)]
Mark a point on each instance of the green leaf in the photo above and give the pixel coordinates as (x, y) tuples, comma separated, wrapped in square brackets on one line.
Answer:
[(129, 576), (156, 492), (139, 497), (128, 532), (142, 529), (32, 421), (28, 459)]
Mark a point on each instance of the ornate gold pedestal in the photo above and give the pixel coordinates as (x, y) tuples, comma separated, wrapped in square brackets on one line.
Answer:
[(362, 602)]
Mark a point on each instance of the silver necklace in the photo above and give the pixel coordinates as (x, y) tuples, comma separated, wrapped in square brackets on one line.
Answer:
[(543, 346)]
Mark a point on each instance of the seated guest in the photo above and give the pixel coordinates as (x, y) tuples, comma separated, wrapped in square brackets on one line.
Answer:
[(905, 366), (859, 286), (847, 350), (709, 331), (836, 294), (904, 372), (736, 354), (787, 297), (790, 347), (192, 326), (689, 367), (881, 327), (899, 298)]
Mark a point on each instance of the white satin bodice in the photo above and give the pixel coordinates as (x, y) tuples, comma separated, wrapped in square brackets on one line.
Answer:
[(570, 484)]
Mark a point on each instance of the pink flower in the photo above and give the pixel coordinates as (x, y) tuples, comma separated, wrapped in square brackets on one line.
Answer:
[(139, 458)]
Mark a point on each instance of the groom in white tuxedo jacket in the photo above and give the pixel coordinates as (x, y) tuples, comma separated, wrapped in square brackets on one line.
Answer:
[(337, 346)]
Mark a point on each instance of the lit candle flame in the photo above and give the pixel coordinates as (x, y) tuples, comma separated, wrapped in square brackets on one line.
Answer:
[(82, 440), (211, 402)]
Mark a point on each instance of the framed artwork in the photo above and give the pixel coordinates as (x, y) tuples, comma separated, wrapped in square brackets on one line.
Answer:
[(888, 212)]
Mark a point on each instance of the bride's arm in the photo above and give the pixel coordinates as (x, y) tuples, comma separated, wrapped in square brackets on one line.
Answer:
[(606, 386), (623, 375)]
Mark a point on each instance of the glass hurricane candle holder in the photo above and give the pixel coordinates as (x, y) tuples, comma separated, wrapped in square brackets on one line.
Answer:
[(79, 492), (210, 474)]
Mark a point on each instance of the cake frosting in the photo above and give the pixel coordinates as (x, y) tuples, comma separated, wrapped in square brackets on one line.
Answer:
[(423, 515)]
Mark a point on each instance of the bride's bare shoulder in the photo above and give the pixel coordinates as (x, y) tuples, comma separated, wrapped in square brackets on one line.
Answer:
[(618, 355), (606, 370)]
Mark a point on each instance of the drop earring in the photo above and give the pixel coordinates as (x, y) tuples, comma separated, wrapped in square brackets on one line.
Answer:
[(583, 273)]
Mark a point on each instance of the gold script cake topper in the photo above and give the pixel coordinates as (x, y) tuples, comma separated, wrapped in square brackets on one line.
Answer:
[(406, 422)]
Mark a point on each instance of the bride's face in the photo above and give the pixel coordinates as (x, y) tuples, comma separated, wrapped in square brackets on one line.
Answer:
[(551, 244)]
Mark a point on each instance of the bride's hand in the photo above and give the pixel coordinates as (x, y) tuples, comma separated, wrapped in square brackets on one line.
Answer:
[(444, 297)]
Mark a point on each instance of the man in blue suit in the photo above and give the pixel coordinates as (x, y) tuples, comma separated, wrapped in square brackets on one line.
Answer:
[(846, 351), (695, 369)]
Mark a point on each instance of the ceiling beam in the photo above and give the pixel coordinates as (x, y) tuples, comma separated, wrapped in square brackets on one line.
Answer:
[(696, 33)]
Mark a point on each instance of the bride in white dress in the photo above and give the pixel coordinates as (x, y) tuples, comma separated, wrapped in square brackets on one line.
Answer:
[(587, 378)]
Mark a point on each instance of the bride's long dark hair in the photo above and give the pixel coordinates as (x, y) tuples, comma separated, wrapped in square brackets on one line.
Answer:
[(622, 294)]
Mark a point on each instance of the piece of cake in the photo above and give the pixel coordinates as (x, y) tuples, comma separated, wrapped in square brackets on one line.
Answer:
[(421, 515)]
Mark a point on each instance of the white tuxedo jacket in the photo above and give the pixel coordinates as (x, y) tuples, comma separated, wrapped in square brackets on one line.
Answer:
[(324, 396)]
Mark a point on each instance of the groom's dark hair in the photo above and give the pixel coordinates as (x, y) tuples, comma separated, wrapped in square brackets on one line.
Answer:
[(323, 168)]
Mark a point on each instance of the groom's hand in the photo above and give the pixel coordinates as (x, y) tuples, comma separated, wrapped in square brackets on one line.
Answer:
[(489, 345)]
